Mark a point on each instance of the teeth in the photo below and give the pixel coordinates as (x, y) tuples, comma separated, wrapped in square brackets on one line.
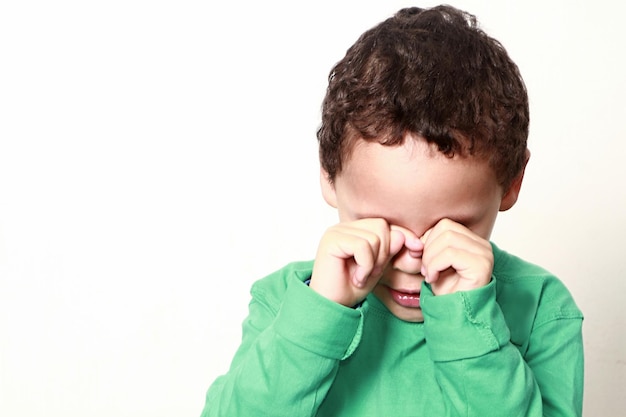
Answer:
[(411, 296)]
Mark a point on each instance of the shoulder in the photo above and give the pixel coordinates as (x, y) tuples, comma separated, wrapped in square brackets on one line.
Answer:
[(529, 295), (524, 278), (271, 288)]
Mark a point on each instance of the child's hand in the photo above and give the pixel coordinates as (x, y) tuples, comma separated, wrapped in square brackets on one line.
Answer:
[(352, 256), (455, 258)]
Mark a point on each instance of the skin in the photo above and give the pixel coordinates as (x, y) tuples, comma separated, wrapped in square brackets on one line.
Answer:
[(408, 214)]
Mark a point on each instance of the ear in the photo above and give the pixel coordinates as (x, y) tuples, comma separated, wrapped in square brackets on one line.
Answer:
[(328, 188), (510, 196)]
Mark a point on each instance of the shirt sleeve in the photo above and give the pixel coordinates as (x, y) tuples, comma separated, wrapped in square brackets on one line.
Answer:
[(555, 353), (481, 373), (288, 357)]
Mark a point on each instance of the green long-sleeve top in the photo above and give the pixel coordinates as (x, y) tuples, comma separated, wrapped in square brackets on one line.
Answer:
[(511, 348)]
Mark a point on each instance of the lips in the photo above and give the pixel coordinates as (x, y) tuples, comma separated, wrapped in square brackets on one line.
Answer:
[(405, 299)]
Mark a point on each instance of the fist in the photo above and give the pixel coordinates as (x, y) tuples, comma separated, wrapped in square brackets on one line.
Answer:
[(455, 258), (352, 256)]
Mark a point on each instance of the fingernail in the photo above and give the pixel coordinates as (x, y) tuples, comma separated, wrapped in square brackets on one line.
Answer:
[(359, 279)]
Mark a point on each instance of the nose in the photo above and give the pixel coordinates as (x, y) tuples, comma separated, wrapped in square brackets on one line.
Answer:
[(407, 261)]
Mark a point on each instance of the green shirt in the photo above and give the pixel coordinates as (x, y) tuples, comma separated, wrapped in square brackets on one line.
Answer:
[(511, 348)]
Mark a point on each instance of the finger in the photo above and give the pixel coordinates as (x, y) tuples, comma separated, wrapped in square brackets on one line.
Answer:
[(452, 250), (447, 233), (388, 241), (451, 245), (359, 248), (368, 247), (448, 282), (446, 225), (449, 258), (454, 239), (474, 270), (412, 242)]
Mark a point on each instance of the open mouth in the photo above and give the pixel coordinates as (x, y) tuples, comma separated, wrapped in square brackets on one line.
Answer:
[(405, 299)]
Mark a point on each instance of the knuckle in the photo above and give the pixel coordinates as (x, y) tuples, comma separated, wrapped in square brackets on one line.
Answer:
[(375, 241)]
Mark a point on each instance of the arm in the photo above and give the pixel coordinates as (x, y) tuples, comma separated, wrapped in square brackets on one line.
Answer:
[(483, 374), (556, 357), (288, 357), (293, 339), (479, 370)]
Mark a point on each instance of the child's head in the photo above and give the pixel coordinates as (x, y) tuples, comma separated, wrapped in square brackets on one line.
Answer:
[(431, 74)]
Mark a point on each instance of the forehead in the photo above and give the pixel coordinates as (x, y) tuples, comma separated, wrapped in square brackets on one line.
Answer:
[(414, 185)]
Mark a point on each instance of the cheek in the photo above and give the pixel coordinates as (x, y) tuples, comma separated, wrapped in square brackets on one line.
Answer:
[(344, 217), (484, 221), (485, 228)]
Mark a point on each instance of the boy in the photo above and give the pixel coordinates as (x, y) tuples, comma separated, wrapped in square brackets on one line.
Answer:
[(408, 309)]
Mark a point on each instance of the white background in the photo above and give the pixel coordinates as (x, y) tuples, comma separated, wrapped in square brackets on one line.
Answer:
[(157, 157)]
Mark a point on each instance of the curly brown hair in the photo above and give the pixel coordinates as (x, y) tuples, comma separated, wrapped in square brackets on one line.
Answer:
[(434, 73)]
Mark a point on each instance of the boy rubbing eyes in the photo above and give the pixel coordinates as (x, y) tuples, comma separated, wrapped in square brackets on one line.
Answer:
[(408, 309)]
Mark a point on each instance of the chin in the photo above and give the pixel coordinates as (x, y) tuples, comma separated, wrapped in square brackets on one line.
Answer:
[(408, 314), (413, 316)]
